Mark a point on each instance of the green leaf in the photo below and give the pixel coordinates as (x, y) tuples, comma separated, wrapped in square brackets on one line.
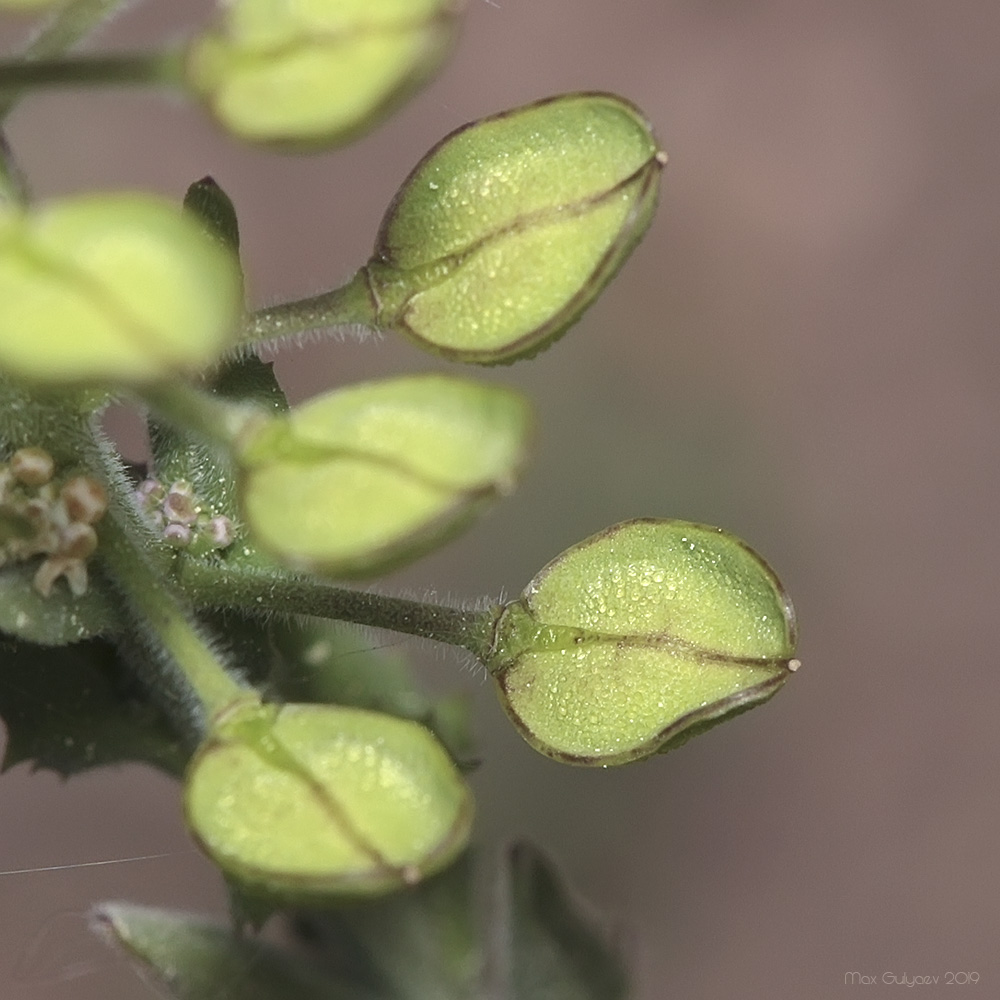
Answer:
[(554, 952), (369, 476), (318, 72), (307, 802), (511, 226), (214, 208), (110, 289), (641, 636), (413, 945), (194, 959), (333, 663), (247, 379), (56, 620), (74, 708)]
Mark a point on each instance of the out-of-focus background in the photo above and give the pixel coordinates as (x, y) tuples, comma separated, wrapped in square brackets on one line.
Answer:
[(804, 351)]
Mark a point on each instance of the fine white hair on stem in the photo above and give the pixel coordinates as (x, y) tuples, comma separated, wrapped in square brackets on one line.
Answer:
[(358, 332)]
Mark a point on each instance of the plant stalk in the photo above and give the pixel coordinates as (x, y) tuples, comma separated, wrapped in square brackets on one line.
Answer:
[(78, 71), (166, 628), (349, 305), (220, 586), (65, 27)]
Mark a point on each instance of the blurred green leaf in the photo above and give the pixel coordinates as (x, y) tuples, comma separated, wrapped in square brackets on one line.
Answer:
[(56, 620), (194, 959), (337, 664), (420, 944), (73, 708), (555, 953)]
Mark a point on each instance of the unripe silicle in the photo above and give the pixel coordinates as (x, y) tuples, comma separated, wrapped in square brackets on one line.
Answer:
[(511, 226), (112, 289), (640, 637), (301, 802), (317, 72), (372, 475)]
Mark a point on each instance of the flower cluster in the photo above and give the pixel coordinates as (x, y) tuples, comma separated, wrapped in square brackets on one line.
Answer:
[(182, 517), (41, 514)]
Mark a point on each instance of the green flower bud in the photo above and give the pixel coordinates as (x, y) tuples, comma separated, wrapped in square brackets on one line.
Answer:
[(306, 801), (116, 288), (376, 473), (318, 71), (510, 227), (640, 637)]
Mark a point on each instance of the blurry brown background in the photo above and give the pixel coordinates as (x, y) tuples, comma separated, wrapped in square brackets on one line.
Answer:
[(804, 350)]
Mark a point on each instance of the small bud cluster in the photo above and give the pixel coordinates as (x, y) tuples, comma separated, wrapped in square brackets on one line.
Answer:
[(182, 517), (41, 514)]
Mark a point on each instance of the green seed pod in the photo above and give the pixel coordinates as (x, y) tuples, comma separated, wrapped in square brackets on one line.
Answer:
[(303, 802), (511, 226), (112, 289), (318, 71), (640, 637), (375, 474)]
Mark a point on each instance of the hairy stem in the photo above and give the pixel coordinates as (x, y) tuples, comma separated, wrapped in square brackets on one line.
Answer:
[(247, 588), (167, 630), (349, 305)]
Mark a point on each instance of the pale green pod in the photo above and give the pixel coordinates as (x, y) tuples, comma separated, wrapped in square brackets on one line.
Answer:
[(112, 289), (640, 637), (304, 802), (376, 473), (317, 71), (511, 226)]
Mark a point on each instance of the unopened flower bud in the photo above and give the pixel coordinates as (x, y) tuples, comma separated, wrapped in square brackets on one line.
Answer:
[(219, 532), (32, 466), (180, 505), (150, 492), (640, 637), (178, 535)]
